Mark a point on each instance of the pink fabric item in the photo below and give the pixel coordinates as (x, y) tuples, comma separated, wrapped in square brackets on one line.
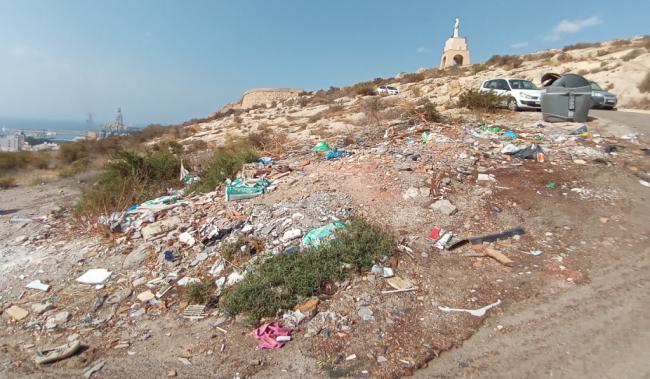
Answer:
[(267, 333)]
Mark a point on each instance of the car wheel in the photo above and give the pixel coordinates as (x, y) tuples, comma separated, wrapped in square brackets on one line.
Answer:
[(512, 104)]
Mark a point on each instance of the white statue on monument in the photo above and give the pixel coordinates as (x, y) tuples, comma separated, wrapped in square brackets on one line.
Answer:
[(456, 27)]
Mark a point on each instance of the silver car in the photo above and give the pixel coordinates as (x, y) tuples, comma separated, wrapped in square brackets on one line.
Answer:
[(601, 98)]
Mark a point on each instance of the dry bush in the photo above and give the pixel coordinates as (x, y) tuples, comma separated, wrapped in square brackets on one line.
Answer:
[(644, 42), (7, 182), (632, 54), (417, 91), (476, 68), (421, 111), (371, 108), (411, 78), (601, 52), (643, 103), (392, 113), (644, 86), (581, 45), (541, 55), (596, 70), (511, 61), (621, 43), (432, 73), (564, 57), (583, 72)]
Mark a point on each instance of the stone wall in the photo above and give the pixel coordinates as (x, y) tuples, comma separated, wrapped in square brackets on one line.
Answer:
[(263, 96)]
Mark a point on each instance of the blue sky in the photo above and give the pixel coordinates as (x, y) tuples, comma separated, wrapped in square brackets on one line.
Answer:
[(168, 61)]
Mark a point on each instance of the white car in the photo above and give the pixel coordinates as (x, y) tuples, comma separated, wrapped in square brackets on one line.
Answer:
[(520, 93), (388, 90)]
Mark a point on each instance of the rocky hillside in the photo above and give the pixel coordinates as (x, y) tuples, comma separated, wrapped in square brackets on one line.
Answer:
[(619, 66)]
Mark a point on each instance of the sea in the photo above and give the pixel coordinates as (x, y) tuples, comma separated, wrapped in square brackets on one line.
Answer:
[(58, 130)]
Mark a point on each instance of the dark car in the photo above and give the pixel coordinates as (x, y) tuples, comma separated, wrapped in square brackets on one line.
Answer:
[(601, 98)]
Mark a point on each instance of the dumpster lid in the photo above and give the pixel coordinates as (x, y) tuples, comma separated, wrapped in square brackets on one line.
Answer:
[(571, 81), (549, 78)]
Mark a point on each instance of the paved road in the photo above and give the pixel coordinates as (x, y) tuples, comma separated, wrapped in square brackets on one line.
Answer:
[(639, 122)]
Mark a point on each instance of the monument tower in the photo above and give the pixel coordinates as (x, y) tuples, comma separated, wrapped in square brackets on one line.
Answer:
[(456, 52)]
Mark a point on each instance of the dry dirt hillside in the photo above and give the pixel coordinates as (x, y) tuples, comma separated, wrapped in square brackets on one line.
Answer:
[(619, 66), (178, 285)]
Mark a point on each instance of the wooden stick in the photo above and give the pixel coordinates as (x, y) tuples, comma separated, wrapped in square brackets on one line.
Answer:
[(398, 291), (499, 256)]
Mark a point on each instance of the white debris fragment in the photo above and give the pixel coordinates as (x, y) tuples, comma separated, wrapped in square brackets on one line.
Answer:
[(474, 312)]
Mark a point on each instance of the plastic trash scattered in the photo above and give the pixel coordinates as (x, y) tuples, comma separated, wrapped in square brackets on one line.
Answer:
[(509, 149), (94, 276), (426, 137), (93, 369), (238, 189), (529, 152), (580, 130), (442, 242), (474, 312), (336, 154), (550, 185), (434, 234), (58, 353), (267, 335), (510, 134), (266, 161), (187, 239), (316, 236), (321, 146), (644, 183)]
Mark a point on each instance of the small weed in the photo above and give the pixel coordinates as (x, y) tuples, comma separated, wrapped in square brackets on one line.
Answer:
[(478, 68), (423, 111), (7, 183), (481, 101), (581, 45), (224, 164), (371, 108), (511, 61), (632, 54), (644, 86), (200, 293), (283, 281)]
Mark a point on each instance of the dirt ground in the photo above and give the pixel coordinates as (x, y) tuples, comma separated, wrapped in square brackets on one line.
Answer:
[(576, 310)]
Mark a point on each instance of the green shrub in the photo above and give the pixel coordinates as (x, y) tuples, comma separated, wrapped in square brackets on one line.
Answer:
[(644, 86), (363, 89), (130, 177), (200, 293), (481, 101), (73, 151), (283, 281), (224, 164)]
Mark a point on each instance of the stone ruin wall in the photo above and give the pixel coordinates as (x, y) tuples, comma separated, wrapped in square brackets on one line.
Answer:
[(263, 96)]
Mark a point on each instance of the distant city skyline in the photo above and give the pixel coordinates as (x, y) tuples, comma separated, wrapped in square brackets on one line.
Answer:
[(164, 61)]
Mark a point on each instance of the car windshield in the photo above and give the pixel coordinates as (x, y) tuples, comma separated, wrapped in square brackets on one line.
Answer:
[(392, 88), (522, 84), (595, 86)]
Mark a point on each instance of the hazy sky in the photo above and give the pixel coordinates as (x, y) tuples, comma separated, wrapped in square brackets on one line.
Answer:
[(169, 61)]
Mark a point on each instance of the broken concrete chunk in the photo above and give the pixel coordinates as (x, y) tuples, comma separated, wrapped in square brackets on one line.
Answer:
[(444, 206), (38, 285), (188, 280), (365, 313), (57, 320), (40, 308), (119, 296), (291, 234), (16, 313), (187, 239), (146, 296), (152, 230), (137, 257), (94, 276)]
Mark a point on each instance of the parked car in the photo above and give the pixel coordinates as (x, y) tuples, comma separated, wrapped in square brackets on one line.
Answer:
[(601, 98), (388, 90), (520, 93)]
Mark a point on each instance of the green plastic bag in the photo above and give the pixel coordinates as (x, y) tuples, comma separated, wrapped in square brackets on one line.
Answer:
[(237, 189), (316, 236), (321, 146)]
